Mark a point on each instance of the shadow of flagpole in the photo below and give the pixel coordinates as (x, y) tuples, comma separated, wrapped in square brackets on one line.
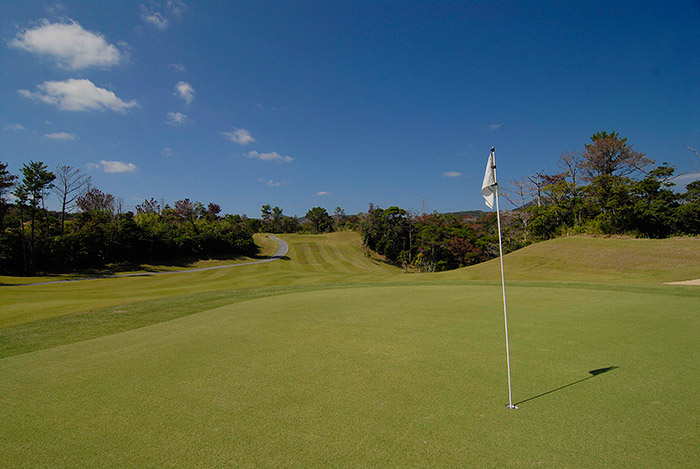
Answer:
[(593, 374)]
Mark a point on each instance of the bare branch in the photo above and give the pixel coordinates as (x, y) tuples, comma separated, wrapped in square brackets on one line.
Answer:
[(693, 150)]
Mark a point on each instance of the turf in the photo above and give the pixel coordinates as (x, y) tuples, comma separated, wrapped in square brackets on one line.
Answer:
[(333, 359)]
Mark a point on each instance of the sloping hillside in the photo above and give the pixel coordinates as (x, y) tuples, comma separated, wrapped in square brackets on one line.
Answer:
[(596, 259)]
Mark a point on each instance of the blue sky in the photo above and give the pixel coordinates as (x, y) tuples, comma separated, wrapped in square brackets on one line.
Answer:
[(300, 104)]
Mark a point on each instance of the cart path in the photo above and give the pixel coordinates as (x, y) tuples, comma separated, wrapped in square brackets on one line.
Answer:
[(282, 250)]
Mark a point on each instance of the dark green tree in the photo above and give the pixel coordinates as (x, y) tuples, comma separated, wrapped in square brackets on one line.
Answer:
[(7, 180), (36, 181), (319, 219)]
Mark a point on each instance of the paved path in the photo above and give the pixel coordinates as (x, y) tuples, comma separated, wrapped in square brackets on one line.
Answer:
[(282, 249)]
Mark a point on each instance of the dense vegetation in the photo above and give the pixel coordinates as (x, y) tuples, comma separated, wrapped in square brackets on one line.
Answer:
[(609, 188), (35, 239)]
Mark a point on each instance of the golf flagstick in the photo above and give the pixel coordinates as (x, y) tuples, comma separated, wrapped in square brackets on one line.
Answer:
[(489, 189)]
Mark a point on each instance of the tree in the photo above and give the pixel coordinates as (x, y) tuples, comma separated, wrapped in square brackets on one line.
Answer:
[(70, 184), (319, 218), (570, 162), (94, 200), (21, 199), (610, 155), (36, 181), (266, 216), (148, 206), (338, 218), (7, 180), (185, 210), (213, 211), (276, 222)]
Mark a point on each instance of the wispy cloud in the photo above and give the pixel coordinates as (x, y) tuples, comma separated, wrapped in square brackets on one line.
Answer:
[(160, 14), (113, 166), (687, 178), (77, 95), (167, 152), (272, 156), (177, 119), (177, 67), (14, 128), (493, 127), (185, 91), (61, 136), (451, 174), (272, 183), (323, 193), (70, 45), (240, 136)]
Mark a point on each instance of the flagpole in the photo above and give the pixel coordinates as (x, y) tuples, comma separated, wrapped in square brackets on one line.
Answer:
[(503, 281)]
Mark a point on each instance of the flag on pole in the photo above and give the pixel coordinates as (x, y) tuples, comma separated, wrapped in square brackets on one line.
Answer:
[(489, 186), (489, 189)]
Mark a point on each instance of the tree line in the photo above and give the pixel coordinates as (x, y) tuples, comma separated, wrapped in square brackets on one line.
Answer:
[(607, 188), (35, 239)]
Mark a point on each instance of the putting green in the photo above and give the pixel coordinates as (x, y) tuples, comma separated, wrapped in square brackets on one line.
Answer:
[(385, 375)]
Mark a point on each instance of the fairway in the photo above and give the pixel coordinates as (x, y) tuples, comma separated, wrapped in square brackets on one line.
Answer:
[(329, 358)]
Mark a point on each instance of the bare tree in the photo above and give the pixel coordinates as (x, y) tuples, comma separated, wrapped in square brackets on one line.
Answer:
[(538, 184), (570, 162), (517, 192), (70, 184)]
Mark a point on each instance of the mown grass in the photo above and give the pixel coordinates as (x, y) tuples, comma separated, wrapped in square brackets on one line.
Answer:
[(333, 359)]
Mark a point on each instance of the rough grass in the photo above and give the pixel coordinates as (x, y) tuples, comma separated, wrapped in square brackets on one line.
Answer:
[(333, 359), (596, 259)]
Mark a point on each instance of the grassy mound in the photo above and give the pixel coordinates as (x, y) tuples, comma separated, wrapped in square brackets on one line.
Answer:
[(596, 259)]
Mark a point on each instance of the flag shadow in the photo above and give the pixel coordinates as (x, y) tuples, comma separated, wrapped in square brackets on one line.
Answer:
[(593, 374)]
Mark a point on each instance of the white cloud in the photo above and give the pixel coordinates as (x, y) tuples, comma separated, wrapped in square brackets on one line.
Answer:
[(272, 182), (240, 136), (159, 14), (451, 174), (177, 67), (323, 193), (185, 91), (113, 166), (155, 18), (14, 128), (493, 127), (167, 152), (272, 156), (61, 136), (77, 95), (689, 177), (177, 118), (69, 44)]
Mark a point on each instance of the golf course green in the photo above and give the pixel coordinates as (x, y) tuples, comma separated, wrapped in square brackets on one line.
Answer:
[(327, 357)]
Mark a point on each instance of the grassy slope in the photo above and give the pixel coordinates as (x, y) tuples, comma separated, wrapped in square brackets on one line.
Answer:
[(330, 358), (595, 259)]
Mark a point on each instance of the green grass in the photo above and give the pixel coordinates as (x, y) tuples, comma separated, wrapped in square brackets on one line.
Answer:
[(333, 359)]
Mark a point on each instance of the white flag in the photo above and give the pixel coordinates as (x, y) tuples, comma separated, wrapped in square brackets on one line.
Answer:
[(489, 187)]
